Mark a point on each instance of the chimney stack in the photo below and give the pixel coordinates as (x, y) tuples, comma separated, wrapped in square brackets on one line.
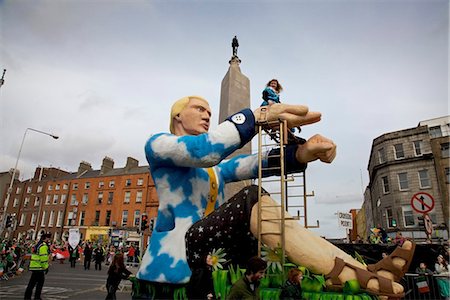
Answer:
[(131, 163), (107, 165), (84, 167)]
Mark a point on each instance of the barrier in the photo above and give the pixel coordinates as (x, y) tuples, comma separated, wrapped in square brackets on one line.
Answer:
[(413, 289)]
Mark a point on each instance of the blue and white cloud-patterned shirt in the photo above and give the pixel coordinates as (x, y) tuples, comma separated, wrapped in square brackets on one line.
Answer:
[(178, 166)]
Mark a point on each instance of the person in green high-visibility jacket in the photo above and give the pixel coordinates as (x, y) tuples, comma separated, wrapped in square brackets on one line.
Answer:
[(38, 266)]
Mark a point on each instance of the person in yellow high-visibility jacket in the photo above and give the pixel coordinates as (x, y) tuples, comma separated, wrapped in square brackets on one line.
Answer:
[(38, 267)]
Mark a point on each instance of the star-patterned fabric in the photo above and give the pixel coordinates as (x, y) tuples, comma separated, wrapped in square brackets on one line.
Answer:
[(227, 227), (178, 166)]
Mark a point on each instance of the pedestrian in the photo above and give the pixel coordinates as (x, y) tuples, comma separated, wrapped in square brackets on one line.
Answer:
[(87, 256), (131, 253), (201, 284), (292, 288), (73, 255), (38, 267), (98, 257), (116, 272), (247, 287)]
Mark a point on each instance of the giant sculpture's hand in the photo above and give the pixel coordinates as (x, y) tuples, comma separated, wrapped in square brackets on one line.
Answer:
[(317, 147), (295, 115)]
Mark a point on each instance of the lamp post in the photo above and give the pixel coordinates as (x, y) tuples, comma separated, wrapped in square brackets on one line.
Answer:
[(8, 192)]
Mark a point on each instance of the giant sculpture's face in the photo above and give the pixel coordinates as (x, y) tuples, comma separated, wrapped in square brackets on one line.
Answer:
[(194, 118)]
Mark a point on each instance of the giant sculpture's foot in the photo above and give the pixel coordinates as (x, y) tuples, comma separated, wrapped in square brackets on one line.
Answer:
[(396, 264), (381, 277), (368, 281)]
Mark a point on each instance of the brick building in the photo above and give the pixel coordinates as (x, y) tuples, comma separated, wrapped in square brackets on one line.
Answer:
[(104, 204)]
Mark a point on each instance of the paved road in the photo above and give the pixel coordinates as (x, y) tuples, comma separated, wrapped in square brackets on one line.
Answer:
[(63, 282)]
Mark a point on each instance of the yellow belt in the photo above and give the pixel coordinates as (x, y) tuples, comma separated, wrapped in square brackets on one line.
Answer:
[(213, 191)]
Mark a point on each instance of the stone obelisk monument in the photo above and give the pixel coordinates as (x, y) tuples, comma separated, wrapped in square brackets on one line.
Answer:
[(235, 96)]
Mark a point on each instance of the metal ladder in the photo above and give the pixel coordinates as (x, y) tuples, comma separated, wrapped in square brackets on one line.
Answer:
[(290, 186)]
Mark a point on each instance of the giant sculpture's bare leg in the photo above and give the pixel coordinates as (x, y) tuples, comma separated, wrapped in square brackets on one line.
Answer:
[(305, 248)]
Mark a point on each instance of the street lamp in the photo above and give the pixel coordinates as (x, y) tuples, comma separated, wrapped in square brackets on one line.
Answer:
[(8, 193)]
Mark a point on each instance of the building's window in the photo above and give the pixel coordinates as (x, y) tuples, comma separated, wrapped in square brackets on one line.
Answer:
[(128, 182), (108, 218), (65, 186), (138, 196), (382, 155), (389, 217), (111, 184), (44, 214), (110, 197), (403, 181), (445, 150), (137, 218), (47, 199), (33, 219), (385, 182), (63, 198), (100, 198), (101, 184), (73, 200), (408, 216), (418, 145), (60, 219), (22, 219), (75, 186), (140, 181), (57, 187), (16, 200), (26, 202), (126, 199), (435, 131), (29, 189), (399, 153), (51, 219), (81, 223), (70, 218), (18, 189), (85, 199), (447, 175), (87, 185), (50, 187), (39, 189), (124, 218), (55, 199), (36, 201), (97, 217), (424, 179)]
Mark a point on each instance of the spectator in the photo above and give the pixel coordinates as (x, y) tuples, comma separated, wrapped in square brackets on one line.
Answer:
[(423, 270), (201, 283), (116, 272), (99, 256), (248, 286), (292, 289), (442, 268), (399, 239), (87, 256)]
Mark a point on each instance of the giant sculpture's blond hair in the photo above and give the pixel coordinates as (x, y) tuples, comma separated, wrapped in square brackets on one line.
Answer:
[(178, 106)]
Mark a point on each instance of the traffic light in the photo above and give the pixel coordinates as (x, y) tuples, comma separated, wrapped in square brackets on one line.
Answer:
[(152, 224), (8, 221), (144, 222), (421, 221), (394, 223)]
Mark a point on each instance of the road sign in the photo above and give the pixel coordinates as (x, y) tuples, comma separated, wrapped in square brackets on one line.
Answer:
[(422, 202), (428, 224), (345, 220)]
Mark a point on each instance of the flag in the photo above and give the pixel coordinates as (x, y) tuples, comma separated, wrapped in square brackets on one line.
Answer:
[(422, 285)]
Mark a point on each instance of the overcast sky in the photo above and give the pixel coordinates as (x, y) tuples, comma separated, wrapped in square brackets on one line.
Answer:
[(102, 75)]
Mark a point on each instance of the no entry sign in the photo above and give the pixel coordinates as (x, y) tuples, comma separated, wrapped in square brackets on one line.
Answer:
[(422, 202)]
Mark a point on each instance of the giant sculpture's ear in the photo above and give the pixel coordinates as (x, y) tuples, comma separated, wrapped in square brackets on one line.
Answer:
[(177, 117)]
